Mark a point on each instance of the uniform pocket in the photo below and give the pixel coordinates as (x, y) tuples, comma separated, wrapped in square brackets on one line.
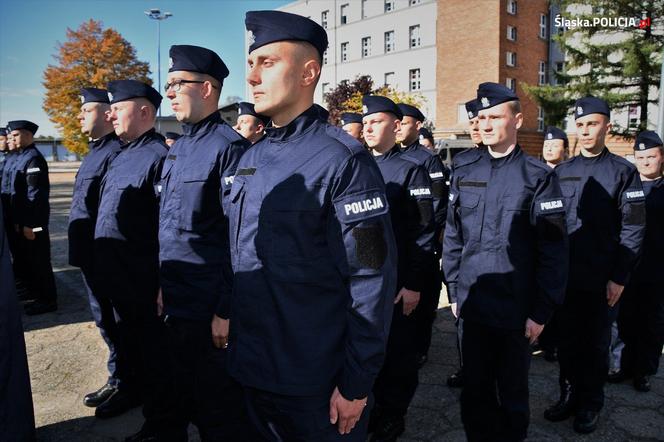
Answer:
[(199, 198)]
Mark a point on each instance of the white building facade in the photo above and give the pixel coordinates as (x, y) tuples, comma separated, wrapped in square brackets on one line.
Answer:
[(393, 41)]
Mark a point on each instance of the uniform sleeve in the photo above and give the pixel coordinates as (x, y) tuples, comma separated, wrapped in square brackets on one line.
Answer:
[(633, 227), (362, 239), (35, 201), (439, 175), (227, 168), (452, 242), (421, 228), (547, 212)]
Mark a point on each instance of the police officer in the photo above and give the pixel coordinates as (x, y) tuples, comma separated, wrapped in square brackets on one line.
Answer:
[(554, 152), (17, 421), (439, 175), (312, 250), (3, 151), (194, 254), (426, 139), (6, 191), (504, 256), (30, 215), (127, 252), (104, 146), (171, 138), (641, 315), (556, 145), (606, 224), (250, 124), (351, 123), (472, 108), (411, 210)]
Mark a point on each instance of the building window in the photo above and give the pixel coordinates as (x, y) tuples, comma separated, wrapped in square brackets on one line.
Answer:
[(325, 57), (323, 19), (366, 47), (389, 5), (414, 76), (541, 73), (389, 79), (389, 41), (511, 59), (414, 36), (540, 119), (414, 2), (511, 84), (511, 7), (344, 52), (364, 9), (324, 90), (543, 28), (511, 33), (344, 14)]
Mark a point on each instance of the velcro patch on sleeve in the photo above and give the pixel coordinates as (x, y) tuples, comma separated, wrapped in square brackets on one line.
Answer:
[(33, 170), (370, 246), (419, 192), (361, 206), (436, 175)]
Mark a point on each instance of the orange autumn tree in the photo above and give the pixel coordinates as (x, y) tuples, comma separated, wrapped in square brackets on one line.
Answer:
[(91, 57)]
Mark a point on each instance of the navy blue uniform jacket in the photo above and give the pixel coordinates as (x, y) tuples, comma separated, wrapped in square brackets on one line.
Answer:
[(505, 248), (195, 265), (315, 263), (29, 201)]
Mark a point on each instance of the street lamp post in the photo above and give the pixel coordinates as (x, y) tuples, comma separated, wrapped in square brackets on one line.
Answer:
[(156, 14)]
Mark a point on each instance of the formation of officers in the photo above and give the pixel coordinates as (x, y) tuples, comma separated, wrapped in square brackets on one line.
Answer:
[(278, 280)]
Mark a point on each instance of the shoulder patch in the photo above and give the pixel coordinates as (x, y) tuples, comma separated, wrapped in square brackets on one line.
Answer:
[(33, 170), (361, 206)]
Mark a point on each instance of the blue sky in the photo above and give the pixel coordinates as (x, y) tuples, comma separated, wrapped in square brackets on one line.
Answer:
[(31, 29)]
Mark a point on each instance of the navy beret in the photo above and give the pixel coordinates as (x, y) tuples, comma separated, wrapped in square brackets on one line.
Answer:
[(197, 59), (122, 90), (410, 111), (93, 95), (591, 105), (492, 94), (472, 107), (377, 103), (647, 140), (323, 113), (265, 27), (3, 131), (553, 133), (22, 124), (172, 135), (248, 109), (350, 117), (425, 133)]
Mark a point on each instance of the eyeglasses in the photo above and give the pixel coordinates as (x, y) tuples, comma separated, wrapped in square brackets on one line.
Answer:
[(177, 84)]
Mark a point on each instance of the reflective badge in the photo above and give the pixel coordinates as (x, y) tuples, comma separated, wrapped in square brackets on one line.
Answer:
[(551, 205), (82, 99), (421, 191), (158, 188), (343, 123), (229, 180), (435, 175), (362, 206), (451, 197), (635, 194), (365, 109), (470, 115), (642, 146), (485, 102), (421, 137), (37, 169), (170, 62)]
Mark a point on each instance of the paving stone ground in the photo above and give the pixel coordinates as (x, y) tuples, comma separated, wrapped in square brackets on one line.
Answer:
[(67, 360)]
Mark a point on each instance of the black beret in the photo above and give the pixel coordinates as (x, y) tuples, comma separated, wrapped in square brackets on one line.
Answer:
[(22, 124), (350, 117), (377, 103), (93, 95), (553, 133), (172, 135), (472, 107), (3, 131), (197, 59), (492, 94), (647, 140), (248, 109), (425, 133), (265, 27), (591, 105), (122, 90), (410, 111)]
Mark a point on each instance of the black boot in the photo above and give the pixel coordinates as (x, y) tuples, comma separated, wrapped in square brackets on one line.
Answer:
[(118, 403), (564, 408), (586, 421), (642, 383), (96, 398)]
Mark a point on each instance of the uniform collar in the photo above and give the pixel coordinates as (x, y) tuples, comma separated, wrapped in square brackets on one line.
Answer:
[(396, 150), (603, 154), (204, 125), (99, 142), (299, 126), (412, 146), (500, 162), (143, 139)]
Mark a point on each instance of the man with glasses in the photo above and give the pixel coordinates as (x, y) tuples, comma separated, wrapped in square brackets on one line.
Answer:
[(195, 268)]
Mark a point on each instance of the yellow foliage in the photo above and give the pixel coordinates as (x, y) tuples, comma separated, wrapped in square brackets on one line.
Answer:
[(91, 57), (354, 103)]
